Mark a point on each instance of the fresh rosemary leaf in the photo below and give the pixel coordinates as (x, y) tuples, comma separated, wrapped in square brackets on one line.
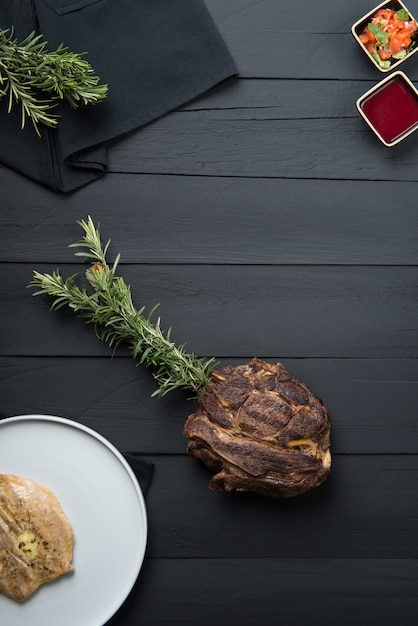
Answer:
[(109, 307), (28, 69)]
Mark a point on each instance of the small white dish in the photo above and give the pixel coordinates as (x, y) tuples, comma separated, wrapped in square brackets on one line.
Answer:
[(358, 28), (390, 108)]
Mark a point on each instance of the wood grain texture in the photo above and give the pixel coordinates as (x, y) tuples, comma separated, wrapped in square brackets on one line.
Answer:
[(373, 403), (271, 591), (371, 491), (244, 310), (153, 219), (255, 148), (294, 40), (267, 220)]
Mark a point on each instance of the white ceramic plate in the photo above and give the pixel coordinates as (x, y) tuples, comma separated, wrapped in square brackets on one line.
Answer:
[(102, 499)]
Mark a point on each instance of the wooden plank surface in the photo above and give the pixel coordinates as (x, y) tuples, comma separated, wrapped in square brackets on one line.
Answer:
[(254, 148), (267, 220), (245, 311), (241, 220), (296, 40), (372, 402), (364, 491), (267, 591)]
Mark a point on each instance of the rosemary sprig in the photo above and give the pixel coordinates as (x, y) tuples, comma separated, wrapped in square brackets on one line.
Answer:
[(110, 308), (27, 68)]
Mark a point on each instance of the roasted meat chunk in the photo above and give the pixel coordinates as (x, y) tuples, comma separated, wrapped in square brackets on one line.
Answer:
[(260, 429), (36, 538)]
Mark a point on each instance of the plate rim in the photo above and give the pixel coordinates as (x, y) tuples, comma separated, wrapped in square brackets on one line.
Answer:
[(54, 419)]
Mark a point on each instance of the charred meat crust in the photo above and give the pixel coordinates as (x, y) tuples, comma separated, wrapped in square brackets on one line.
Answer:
[(260, 429)]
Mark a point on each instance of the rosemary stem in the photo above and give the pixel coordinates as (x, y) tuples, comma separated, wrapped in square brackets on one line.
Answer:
[(27, 68), (109, 307)]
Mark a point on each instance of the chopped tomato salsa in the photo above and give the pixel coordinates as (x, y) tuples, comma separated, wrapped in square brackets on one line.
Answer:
[(389, 36)]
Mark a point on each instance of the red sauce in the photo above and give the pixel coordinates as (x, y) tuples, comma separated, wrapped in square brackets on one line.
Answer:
[(392, 109)]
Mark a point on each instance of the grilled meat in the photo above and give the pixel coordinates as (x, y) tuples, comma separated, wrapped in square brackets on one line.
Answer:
[(260, 429), (36, 538)]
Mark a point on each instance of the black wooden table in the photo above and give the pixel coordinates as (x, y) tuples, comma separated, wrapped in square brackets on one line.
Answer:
[(267, 220)]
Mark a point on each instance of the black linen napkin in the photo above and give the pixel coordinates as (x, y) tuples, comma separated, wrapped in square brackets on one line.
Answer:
[(142, 468), (155, 55)]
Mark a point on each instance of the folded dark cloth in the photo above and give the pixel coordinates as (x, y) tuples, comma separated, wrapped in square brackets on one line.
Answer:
[(143, 470), (155, 55)]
